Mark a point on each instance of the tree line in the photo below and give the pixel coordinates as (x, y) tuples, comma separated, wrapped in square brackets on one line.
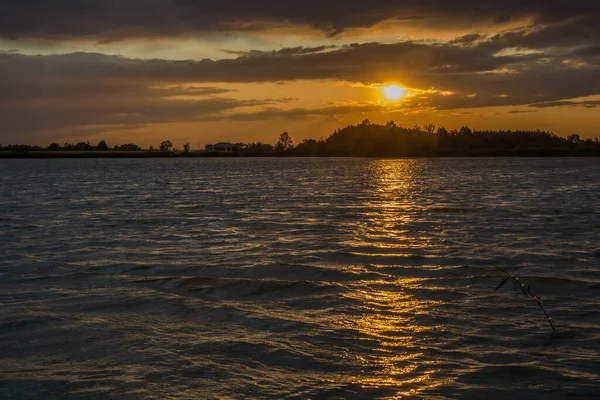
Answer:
[(165, 146), (81, 146), (375, 140)]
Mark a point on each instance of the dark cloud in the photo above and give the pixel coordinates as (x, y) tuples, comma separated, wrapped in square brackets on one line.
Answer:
[(33, 110), (193, 91), (303, 113), (467, 39), (22, 124), (108, 20), (297, 51), (587, 51), (575, 32), (520, 111), (359, 62), (585, 104)]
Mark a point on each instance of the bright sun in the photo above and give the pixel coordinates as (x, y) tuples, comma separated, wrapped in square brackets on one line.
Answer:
[(393, 92)]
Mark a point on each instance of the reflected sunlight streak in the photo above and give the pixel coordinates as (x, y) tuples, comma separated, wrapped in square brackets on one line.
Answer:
[(392, 315)]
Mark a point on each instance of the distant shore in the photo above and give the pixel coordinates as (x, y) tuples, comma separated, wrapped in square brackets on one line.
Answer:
[(363, 140), (202, 154), (106, 154)]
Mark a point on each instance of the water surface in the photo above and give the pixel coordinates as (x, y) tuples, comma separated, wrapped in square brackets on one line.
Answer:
[(298, 278)]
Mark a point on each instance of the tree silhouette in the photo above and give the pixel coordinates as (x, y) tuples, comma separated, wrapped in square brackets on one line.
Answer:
[(258, 149), (167, 145), (465, 130), (186, 148), (429, 128), (574, 138), (127, 147), (102, 146), (285, 142)]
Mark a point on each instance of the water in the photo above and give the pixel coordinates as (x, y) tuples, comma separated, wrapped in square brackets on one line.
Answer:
[(298, 278)]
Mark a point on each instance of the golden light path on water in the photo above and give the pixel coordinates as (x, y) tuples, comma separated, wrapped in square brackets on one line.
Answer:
[(390, 314)]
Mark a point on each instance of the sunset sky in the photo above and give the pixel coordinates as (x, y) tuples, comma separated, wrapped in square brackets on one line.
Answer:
[(144, 71)]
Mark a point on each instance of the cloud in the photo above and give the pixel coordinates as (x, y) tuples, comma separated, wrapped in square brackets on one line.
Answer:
[(574, 32), (359, 62), (109, 20), (32, 111), (32, 121), (297, 51), (585, 104), (469, 39), (303, 113), (193, 90), (587, 51)]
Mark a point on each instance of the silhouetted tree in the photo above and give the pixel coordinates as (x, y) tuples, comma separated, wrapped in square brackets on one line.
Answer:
[(186, 148), (258, 149), (429, 128), (54, 147), (166, 146), (285, 142), (574, 138), (465, 130), (311, 148), (81, 146), (102, 146), (127, 147)]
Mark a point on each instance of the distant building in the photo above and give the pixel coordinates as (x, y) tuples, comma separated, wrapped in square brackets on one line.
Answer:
[(222, 148)]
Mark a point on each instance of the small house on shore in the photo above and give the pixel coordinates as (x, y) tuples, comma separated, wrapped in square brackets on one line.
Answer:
[(222, 147)]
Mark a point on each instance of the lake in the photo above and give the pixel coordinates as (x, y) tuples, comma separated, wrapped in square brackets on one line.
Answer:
[(299, 278)]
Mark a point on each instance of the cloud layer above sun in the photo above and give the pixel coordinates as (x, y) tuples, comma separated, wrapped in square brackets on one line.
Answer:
[(74, 68)]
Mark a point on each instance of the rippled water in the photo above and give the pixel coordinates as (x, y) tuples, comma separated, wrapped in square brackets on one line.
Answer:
[(298, 278)]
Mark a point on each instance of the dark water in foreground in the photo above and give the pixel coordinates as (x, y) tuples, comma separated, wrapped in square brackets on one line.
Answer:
[(298, 278)]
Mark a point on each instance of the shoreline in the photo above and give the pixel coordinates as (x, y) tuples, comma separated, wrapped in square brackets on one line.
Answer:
[(521, 153), (105, 154)]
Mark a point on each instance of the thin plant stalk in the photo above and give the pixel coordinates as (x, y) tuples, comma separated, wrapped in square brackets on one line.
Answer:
[(526, 289)]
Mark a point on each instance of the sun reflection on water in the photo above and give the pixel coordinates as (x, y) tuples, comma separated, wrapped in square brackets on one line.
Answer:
[(390, 318), (391, 313)]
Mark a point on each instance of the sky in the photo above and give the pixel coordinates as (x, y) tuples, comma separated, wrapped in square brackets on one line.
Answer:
[(144, 71)]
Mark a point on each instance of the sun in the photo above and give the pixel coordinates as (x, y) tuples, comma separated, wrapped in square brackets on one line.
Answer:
[(393, 92)]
